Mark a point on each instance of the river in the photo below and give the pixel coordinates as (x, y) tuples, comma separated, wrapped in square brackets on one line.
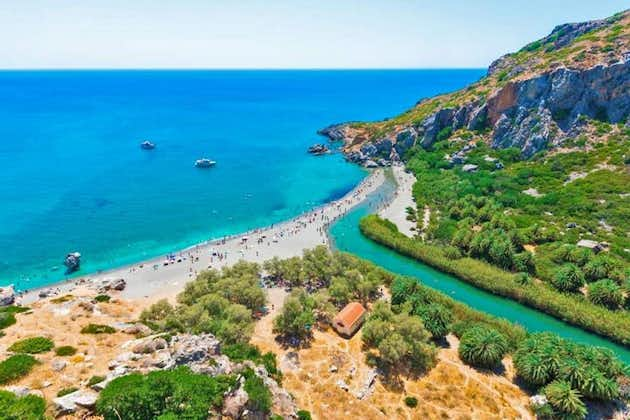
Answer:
[(347, 237)]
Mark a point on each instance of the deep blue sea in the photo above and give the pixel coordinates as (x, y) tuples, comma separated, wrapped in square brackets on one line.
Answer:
[(73, 177)]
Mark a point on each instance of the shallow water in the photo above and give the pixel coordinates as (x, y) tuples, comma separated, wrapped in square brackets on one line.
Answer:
[(73, 177)]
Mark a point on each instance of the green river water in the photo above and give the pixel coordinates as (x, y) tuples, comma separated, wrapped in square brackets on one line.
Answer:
[(347, 237)]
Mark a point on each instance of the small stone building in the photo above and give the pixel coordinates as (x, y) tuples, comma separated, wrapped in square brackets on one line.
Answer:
[(349, 319)]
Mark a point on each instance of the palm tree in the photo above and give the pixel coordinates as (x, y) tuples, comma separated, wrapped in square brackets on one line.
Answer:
[(565, 401), (597, 386), (482, 347)]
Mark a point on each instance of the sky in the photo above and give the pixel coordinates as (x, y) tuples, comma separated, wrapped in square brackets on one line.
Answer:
[(278, 33)]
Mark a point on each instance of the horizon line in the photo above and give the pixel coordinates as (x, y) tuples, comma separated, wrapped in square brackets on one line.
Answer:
[(8, 69)]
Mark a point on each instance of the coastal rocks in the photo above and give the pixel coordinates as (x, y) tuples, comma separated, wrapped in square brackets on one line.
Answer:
[(7, 295), (318, 149), (111, 284), (532, 113), (72, 402), (72, 262)]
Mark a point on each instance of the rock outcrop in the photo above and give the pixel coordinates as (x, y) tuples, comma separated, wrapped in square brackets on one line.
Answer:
[(534, 101), (7, 295)]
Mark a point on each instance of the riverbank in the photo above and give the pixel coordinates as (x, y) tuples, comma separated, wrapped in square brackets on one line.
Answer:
[(581, 313), (168, 274)]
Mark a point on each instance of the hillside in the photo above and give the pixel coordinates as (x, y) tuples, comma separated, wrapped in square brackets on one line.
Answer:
[(533, 99), (522, 178)]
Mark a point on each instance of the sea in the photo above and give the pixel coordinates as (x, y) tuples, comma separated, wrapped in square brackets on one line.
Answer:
[(74, 178)]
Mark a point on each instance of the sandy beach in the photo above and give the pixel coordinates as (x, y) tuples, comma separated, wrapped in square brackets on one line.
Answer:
[(395, 210), (167, 274)]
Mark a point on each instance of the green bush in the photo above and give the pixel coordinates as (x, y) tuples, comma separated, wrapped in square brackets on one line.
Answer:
[(97, 329), (171, 394), (65, 351), (304, 415), (606, 293), (482, 347), (96, 379), (7, 315), (411, 402), (66, 391), (102, 298), (29, 407), (32, 345), (15, 367), (436, 318), (259, 395), (568, 278), (565, 401)]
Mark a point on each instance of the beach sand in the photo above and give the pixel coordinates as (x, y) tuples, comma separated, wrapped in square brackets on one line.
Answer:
[(395, 210), (163, 277)]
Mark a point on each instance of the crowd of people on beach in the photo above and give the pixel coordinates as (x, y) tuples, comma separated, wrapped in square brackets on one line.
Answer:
[(253, 244)]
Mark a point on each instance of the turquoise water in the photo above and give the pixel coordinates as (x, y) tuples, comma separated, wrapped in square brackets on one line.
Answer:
[(74, 178), (347, 237)]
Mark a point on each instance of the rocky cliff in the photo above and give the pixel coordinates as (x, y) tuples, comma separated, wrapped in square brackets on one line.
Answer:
[(534, 99)]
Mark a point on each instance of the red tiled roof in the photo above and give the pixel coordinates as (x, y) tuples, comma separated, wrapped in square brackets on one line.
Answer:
[(350, 314)]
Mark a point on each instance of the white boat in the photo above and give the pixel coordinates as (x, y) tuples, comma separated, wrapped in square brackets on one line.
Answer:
[(204, 163), (147, 145)]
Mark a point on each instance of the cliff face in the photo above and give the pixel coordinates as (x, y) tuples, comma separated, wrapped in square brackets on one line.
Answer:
[(531, 100)]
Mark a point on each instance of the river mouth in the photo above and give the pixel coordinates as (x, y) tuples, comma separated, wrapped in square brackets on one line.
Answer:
[(345, 236)]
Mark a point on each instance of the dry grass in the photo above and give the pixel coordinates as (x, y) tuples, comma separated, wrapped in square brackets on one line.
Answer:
[(451, 390)]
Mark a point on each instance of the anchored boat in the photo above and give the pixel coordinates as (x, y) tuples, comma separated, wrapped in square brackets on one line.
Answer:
[(147, 145), (204, 163)]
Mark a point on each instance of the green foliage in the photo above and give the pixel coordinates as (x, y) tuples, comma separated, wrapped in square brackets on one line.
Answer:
[(32, 345), (177, 393), (297, 317), (242, 351), (408, 293), (97, 329), (411, 402), (66, 391), (543, 358), (606, 293), (565, 401), (482, 347), (569, 278), (436, 319), (102, 298), (571, 308), (304, 415), (65, 351), (95, 379), (259, 395), (29, 407), (7, 315), (401, 340), (15, 367), (444, 133)]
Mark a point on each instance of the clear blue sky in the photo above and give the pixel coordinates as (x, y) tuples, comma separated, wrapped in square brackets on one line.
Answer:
[(277, 33)]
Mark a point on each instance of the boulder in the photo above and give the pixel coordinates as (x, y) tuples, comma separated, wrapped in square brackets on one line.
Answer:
[(58, 365), (137, 329), (72, 402), (20, 391), (235, 403), (7, 295), (150, 345), (188, 348)]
